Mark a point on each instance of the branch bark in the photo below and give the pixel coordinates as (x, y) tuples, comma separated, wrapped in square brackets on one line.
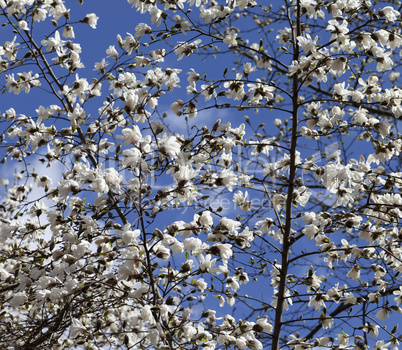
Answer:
[(292, 172)]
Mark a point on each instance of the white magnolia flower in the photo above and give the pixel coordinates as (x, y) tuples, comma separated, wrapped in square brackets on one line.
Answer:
[(232, 283), (193, 245), (235, 88), (189, 331), (191, 110), (343, 340), (130, 100), (327, 322), (206, 219), (307, 44), (68, 32), (286, 301), (23, 25), (176, 106), (263, 323), (112, 52), (186, 49), (265, 225), (141, 29), (230, 299), (54, 43), (76, 328), (131, 136), (201, 284), (278, 200), (338, 30), (129, 43), (384, 61), (80, 249), (193, 76), (112, 178), (101, 66), (91, 19), (398, 298), (372, 329), (394, 76), (390, 13), (18, 299), (339, 65), (383, 313), (227, 178), (225, 251), (156, 15), (229, 225), (310, 231), (231, 38), (146, 314), (57, 293), (170, 147), (381, 345), (132, 157), (248, 68), (207, 264), (39, 14), (130, 237), (240, 199)]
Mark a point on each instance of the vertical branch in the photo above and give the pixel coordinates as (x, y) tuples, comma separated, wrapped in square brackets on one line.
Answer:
[(156, 297), (364, 308), (292, 172)]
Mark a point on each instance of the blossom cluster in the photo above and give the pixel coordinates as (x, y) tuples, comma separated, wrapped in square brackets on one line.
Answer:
[(115, 233)]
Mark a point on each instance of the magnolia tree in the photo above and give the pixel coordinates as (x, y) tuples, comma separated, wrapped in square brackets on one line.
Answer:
[(226, 176)]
